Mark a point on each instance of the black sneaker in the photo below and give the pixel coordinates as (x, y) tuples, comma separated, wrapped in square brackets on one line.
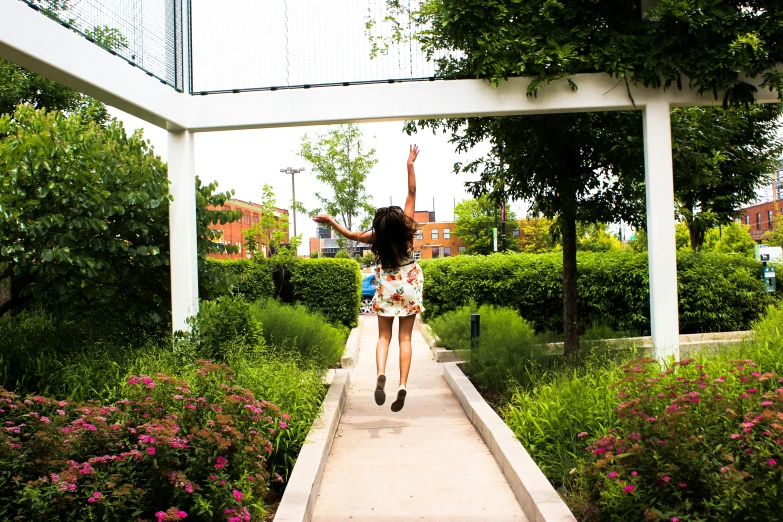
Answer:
[(380, 395), (400, 402)]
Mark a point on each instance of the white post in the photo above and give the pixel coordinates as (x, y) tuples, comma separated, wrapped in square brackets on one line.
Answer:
[(182, 229), (661, 244)]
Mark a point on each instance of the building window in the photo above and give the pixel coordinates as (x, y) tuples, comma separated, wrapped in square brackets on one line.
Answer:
[(255, 219), (239, 246), (446, 233), (446, 251), (435, 252), (434, 233), (747, 220), (769, 218), (417, 255), (461, 249), (247, 218), (420, 234), (515, 232), (758, 220)]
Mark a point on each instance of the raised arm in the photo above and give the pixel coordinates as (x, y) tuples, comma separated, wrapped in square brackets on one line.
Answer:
[(410, 201), (363, 237)]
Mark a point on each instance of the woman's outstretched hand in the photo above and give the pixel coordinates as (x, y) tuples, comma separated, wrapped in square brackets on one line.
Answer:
[(414, 153), (323, 218)]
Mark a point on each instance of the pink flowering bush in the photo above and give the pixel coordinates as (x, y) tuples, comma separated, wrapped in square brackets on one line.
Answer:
[(693, 442), (170, 451)]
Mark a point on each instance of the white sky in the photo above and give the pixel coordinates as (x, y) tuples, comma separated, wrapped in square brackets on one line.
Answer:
[(246, 160)]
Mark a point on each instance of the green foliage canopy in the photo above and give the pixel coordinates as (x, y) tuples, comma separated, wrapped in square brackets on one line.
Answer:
[(707, 44)]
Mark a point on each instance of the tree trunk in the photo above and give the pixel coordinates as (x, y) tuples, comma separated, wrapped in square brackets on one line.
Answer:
[(570, 317), (697, 235)]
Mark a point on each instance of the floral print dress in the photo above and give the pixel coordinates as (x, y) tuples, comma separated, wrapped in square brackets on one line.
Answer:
[(398, 291)]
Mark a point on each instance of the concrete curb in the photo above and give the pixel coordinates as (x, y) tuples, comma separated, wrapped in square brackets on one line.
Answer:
[(301, 491), (351, 354), (535, 494), (441, 355)]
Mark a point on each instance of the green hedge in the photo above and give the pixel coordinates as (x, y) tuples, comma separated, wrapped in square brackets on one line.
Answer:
[(717, 292), (331, 287)]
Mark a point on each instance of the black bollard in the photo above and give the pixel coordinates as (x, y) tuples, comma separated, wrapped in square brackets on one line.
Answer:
[(475, 327)]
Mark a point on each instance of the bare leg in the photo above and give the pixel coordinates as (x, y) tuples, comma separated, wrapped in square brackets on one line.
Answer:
[(384, 338), (406, 328)]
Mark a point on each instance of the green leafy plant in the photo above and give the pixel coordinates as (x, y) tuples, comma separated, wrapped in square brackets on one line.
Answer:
[(171, 449)]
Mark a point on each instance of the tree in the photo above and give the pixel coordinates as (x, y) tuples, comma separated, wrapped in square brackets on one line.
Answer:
[(587, 167), (339, 161), (537, 237), (474, 220), (270, 231), (594, 237), (85, 215), (572, 168), (735, 239), (721, 157)]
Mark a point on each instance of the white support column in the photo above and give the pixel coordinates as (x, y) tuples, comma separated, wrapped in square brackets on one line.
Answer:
[(661, 245), (182, 229)]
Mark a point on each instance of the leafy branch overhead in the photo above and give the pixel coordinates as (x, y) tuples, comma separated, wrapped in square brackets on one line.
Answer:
[(708, 46)]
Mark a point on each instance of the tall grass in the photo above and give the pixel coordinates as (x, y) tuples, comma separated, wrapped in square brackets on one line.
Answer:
[(549, 413)]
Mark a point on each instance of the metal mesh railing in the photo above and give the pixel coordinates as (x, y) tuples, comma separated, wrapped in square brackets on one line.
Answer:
[(146, 33), (239, 45)]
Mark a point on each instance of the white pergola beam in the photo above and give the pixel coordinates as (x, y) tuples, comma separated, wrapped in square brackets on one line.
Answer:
[(428, 100), (41, 45)]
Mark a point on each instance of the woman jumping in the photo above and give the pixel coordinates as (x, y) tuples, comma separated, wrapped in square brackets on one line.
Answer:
[(398, 287)]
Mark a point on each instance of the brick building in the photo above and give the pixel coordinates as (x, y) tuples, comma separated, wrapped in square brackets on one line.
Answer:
[(231, 233), (761, 218)]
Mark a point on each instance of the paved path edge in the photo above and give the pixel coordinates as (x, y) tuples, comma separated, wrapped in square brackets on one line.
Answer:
[(352, 345), (535, 494), (301, 491)]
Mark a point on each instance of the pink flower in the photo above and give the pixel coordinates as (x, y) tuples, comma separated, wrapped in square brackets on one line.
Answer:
[(666, 479), (583, 434), (237, 495), (771, 462), (724, 469), (90, 500), (212, 477), (752, 390), (766, 403), (735, 436), (283, 425), (612, 474), (221, 462), (683, 485), (189, 488), (634, 436), (675, 519), (634, 473), (97, 494), (181, 514), (160, 515), (628, 489), (151, 450)]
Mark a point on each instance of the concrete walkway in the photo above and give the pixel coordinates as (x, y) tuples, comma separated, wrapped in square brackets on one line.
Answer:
[(426, 462)]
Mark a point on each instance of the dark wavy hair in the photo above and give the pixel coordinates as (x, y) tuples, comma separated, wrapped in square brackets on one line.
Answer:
[(392, 236)]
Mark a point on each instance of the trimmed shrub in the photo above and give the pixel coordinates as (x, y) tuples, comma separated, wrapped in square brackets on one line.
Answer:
[(246, 279), (227, 327), (330, 287), (717, 292)]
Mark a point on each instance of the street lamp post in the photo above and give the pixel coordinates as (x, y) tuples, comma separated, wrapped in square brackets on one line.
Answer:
[(289, 170)]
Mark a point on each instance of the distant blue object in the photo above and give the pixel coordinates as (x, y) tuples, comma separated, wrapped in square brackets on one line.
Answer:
[(368, 291)]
